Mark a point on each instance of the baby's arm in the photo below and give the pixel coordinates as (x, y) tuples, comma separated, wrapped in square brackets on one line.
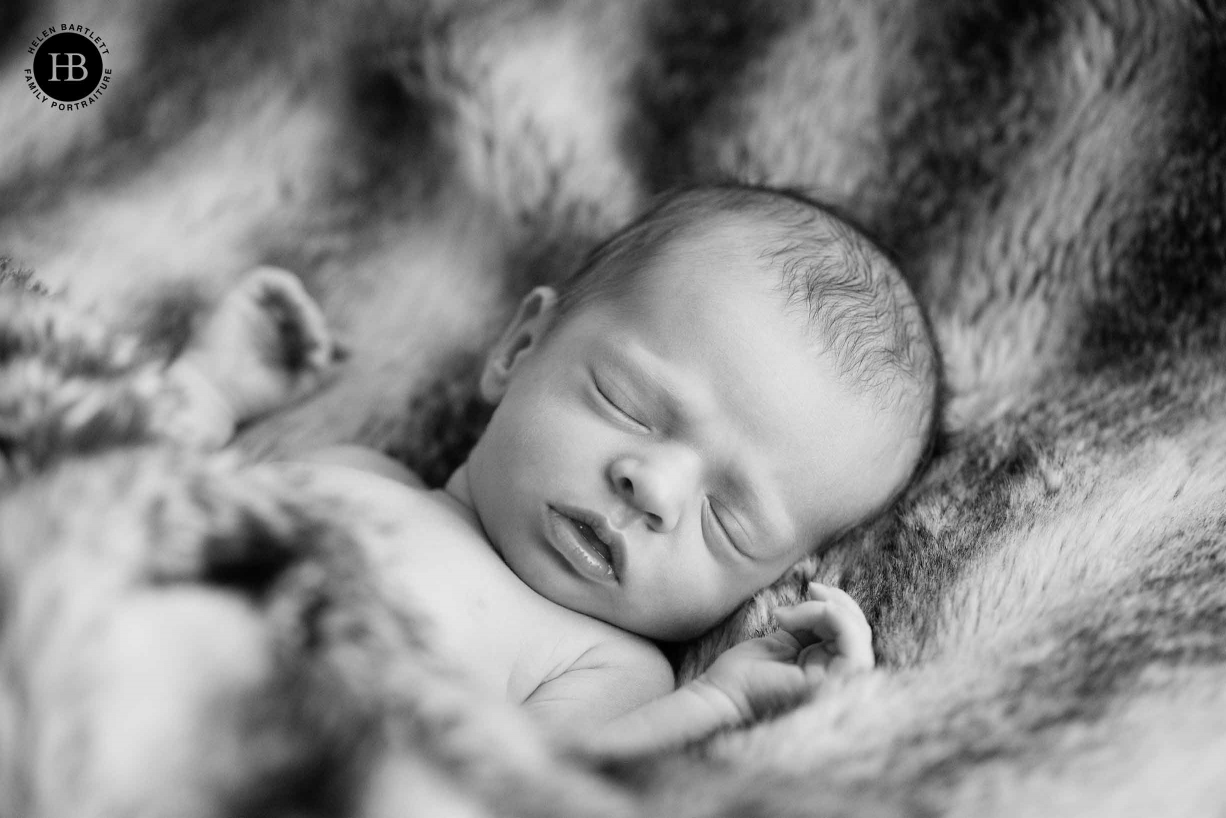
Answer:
[(825, 635), (611, 679), (265, 345)]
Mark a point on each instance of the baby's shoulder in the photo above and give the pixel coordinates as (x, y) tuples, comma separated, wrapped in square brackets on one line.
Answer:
[(611, 674), (386, 508), (597, 645), (364, 459)]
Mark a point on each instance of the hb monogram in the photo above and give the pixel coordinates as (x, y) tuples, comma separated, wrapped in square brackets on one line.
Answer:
[(71, 65), (67, 72)]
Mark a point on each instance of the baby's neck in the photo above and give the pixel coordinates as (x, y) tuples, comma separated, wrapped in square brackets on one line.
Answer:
[(456, 487), (458, 491)]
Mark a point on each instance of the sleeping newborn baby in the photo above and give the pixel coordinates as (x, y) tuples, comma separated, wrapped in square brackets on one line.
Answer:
[(729, 383)]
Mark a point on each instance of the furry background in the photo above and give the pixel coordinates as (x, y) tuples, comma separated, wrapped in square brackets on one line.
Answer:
[(1049, 613)]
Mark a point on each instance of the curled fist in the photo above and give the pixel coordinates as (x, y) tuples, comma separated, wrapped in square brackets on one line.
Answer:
[(825, 635), (265, 345)]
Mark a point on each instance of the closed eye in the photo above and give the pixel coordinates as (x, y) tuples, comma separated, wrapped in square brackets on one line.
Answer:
[(723, 523), (615, 407)]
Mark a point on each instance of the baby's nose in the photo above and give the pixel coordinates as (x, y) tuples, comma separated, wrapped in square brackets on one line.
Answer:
[(658, 486)]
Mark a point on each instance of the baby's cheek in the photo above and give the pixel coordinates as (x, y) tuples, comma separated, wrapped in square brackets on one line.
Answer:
[(554, 441), (695, 596)]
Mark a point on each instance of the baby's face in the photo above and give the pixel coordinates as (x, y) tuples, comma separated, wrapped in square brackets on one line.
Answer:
[(659, 457)]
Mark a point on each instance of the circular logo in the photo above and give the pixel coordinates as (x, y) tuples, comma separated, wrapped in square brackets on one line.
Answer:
[(68, 66)]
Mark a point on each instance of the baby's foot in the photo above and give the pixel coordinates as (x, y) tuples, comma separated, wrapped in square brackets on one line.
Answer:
[(265, 345)]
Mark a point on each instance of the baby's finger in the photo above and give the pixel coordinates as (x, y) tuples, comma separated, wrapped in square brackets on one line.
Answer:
[(828, 593), (814, 664), (810, 621), (838, 597), (861, 661), (843, 632), (817, 662)]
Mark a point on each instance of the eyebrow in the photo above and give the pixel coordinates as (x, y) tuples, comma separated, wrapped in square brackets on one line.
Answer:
[(679, 418)]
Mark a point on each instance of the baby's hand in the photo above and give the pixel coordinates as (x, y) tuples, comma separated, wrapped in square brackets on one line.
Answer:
[(830, 629), (265, 345), (827, 634)]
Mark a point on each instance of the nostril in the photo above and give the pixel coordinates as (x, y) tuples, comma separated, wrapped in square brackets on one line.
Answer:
[(624, 485)]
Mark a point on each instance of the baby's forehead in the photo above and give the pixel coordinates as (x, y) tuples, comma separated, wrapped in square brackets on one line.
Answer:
[(749, 234), (728, 260), (761, 254), (753, 243), (697, 254)]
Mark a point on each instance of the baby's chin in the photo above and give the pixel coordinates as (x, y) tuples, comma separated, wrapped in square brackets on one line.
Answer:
[(613, 606), (673, 632), (663, 627)]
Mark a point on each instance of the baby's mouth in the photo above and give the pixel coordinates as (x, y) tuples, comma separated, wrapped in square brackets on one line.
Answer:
[(580, 538), (589, 534)]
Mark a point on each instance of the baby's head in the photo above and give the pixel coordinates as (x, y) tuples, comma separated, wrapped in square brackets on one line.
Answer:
[(728, 384)]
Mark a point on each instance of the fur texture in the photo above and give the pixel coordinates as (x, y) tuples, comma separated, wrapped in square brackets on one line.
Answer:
[(1047, 602)]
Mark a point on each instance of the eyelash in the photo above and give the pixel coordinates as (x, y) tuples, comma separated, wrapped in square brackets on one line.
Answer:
[(616, 408), (723, 528)]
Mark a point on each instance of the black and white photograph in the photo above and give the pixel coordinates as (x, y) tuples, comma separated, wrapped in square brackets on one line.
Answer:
[(612, 409)]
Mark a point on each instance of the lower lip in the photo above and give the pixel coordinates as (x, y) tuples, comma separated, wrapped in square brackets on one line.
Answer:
[(564, 536)]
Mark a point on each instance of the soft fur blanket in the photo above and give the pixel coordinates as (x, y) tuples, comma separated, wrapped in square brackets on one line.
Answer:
[(179, 635)]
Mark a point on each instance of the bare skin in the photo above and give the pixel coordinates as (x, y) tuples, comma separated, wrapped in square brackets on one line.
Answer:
[(557, 609)]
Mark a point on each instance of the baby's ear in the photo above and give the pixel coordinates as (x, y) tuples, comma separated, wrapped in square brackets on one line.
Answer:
[(522, 336)]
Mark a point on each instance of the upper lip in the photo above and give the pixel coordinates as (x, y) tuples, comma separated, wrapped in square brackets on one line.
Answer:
[(606, 533)]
